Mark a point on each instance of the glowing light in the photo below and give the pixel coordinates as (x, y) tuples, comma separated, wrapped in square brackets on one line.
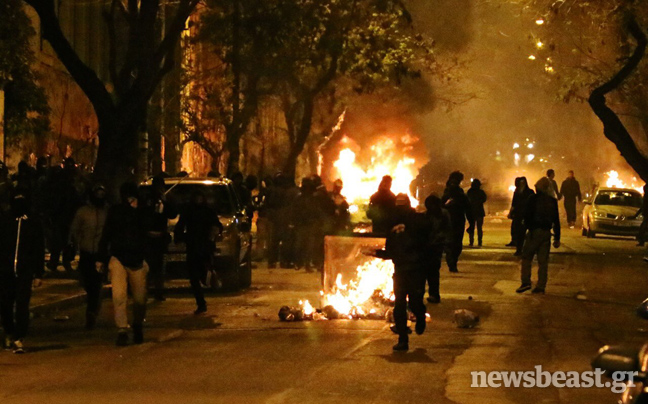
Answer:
[(516, 146), (517, 159), (353, 209), (307, 307), (614, 181), (539, 45), (532, 57), (529, 158), (530, 146), (372, 278), (360, 183), (549, 69), (540, 21)]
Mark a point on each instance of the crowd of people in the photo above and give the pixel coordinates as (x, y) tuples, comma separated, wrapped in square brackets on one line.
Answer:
[(59, 209)]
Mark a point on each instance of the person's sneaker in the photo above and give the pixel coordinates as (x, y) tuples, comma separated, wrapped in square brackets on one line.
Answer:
[(122, 338), (138, 334), (454, 270), (420, 325), (523, 289), (18, 347), (434, 300), (537, 291), (8, 343), (200, 310), (401, 347), (393, 329)]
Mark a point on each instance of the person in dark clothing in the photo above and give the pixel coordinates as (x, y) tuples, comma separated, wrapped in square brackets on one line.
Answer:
[(519, 205), (305, 219), (282, 238), (341, 215), (511, 243), (551, 174), (458, 206), (263, 223), (198, 227), (158, 211), (541, 217), (440, 230), (641, 236), (123, 250), (244, 194), (381, 205), (21, 268), (405, 246), (325, 217), (477, 198), (570, 190), (86, 229)]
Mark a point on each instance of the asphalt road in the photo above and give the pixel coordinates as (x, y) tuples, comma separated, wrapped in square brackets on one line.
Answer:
[(240, 353)]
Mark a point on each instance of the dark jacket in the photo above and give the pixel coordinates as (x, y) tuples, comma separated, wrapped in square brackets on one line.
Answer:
[(440, 229), (570, 189), (407, 248), (542, 213), (124, 236), (381, 206), (520, 203), (458, 206), (196, 228), (87, 227), (31, 249), (477, 198)]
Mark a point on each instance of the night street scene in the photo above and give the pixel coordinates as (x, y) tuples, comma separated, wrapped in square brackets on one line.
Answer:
[(323, 201)]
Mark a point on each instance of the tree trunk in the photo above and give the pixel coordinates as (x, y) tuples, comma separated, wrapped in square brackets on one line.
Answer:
[(234, 151), (116, 155), (303, 132), (613, 128)]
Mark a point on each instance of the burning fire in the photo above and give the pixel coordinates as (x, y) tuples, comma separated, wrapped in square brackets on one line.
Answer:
[(614, 181), (366, 293), (360, 183)]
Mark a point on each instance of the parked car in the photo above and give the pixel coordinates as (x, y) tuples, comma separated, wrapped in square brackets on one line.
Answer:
[(233, 253), (612, 211)]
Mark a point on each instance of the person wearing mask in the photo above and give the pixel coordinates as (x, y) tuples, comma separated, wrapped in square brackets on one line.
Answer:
[(458, 206), (198, 228), (440, 230), (551, 175), (570, 190), (541, 217), (86, 230), (123, 250), (521, 198), (477, 198), (158, 211), (22, 252), (405, 246), (381, 205)]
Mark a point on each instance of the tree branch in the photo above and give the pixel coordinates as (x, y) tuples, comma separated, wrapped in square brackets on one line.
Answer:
[(613, 128)]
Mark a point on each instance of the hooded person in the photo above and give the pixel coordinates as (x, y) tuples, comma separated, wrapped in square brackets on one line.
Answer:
[(517, 213), (477, 198), (457, 204), (405, 246), (541, 217), (123, 249), (440, 231), (86, 230), (381, 205), (22, 252)]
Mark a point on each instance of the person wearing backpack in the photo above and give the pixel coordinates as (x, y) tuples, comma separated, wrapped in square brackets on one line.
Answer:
[(540, 218)]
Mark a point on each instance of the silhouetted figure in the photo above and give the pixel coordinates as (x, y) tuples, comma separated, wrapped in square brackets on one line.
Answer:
[(551, 174), (440, 231), (279, 203), (457, 204), (477, 198), (198, 227), (541, 217), (22, 252), (123, 249), (521, 198), (341, 215), (570, 190), (405, 246), (86, 230), (381, 205), (305, 219)]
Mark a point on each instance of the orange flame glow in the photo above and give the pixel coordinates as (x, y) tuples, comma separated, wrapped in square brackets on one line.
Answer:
[(614, 181)]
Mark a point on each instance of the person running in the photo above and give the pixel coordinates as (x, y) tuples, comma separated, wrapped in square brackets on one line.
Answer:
[(22, 260), (123, 250), (477, 198), (440, 230), (541, 217), (198, 227), (86, 230)]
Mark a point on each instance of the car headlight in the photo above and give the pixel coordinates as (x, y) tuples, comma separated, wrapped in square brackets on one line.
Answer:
[(599, 214)]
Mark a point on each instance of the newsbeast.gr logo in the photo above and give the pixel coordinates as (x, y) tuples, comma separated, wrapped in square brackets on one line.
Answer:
[(543, 379)]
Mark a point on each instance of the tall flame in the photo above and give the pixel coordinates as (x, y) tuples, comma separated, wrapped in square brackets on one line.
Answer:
[(614, 181), (360, 183)]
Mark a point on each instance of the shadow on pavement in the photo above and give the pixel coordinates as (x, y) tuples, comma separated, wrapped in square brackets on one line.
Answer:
[(419, 355)]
